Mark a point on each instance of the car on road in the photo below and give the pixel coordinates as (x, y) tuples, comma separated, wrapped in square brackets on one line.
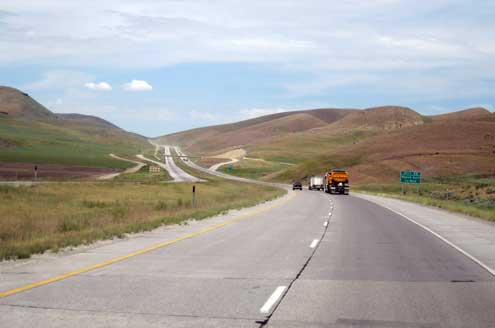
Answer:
[(297, 185)]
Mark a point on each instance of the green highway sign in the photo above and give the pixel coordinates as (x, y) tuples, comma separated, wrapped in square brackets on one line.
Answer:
[(410, 177)]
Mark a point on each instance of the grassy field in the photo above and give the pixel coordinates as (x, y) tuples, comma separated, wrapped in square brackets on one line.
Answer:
[(70, 144), (57, 215), (253, 169), (305, 146), (470, 195), (317, 166)]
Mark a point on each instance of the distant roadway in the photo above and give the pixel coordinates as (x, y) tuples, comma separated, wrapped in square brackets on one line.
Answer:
[(168, 164), (307, 260)]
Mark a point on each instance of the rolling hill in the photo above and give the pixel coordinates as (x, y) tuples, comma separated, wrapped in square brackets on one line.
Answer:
[(220, 138), (30, 133), (374, 143)]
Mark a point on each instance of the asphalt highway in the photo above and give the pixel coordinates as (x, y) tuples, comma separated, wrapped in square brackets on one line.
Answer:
[(168, 164), (315, 260)]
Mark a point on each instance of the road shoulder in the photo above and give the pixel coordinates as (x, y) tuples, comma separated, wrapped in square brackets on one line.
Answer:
[(474, 237), (16, 274)]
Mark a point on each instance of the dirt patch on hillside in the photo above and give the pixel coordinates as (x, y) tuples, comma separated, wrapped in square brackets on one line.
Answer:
[(236, 153), (25, 171)]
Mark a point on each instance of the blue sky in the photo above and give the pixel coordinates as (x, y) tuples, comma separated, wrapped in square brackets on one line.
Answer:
[(159, 67)]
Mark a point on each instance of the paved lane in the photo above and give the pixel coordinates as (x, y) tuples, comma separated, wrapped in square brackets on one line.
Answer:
[(377, 269), (175, 172), (369, 268), (221, 278)]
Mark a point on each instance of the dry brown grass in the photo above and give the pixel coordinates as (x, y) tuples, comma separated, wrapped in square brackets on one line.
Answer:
[(56, 215)]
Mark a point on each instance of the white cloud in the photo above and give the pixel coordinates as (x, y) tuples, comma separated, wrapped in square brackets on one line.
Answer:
[(100, 86), (330, 34), (137, 85)]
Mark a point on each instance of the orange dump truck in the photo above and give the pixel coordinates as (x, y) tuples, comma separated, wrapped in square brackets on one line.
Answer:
[(337, 181)]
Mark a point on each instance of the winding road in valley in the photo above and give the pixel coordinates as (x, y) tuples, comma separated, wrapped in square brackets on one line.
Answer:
[(168, 164), (309, 259)]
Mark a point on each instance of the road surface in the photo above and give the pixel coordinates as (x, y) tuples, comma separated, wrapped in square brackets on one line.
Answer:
[(133, 169), (195, 166), (215, 167), (308, 260), (175, 172)]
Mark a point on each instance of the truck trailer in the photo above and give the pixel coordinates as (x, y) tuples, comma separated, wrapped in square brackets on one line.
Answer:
[(337, 182), (315, 183)]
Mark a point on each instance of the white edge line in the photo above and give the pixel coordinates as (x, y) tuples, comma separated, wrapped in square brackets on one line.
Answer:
[(471, 257), (325, 223), (273, 299), (314, 243)]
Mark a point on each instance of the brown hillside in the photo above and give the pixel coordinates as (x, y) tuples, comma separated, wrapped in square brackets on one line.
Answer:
[(386, 118), (14, 103), (254, 133), (441, 148), (470, 113), (217, 138), (376, 147), (354, 127)]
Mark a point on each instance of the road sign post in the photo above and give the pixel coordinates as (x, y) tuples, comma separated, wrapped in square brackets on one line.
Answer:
[(194, 196), (410, 177)]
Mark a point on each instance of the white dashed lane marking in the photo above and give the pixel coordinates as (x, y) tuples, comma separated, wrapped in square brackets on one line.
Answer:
[(273, 299), (314, 243)]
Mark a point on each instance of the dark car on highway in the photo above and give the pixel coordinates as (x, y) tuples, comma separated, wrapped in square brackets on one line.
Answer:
[(297, 185)]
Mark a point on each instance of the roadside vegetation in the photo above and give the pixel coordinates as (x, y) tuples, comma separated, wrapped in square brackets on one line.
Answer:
[(52, 216), (470, 195), (304, 146)]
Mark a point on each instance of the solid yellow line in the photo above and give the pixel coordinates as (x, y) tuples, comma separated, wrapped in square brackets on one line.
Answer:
[(140, 252)]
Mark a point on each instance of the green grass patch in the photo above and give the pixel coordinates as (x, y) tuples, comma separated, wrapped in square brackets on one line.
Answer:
[(67, 144), (305, 146), (317, 166), (470, 195)]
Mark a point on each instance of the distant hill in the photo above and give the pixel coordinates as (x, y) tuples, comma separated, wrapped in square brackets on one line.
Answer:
[(453, 144), (30, 133), (222, 137), (374, 143), (470, 113)]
